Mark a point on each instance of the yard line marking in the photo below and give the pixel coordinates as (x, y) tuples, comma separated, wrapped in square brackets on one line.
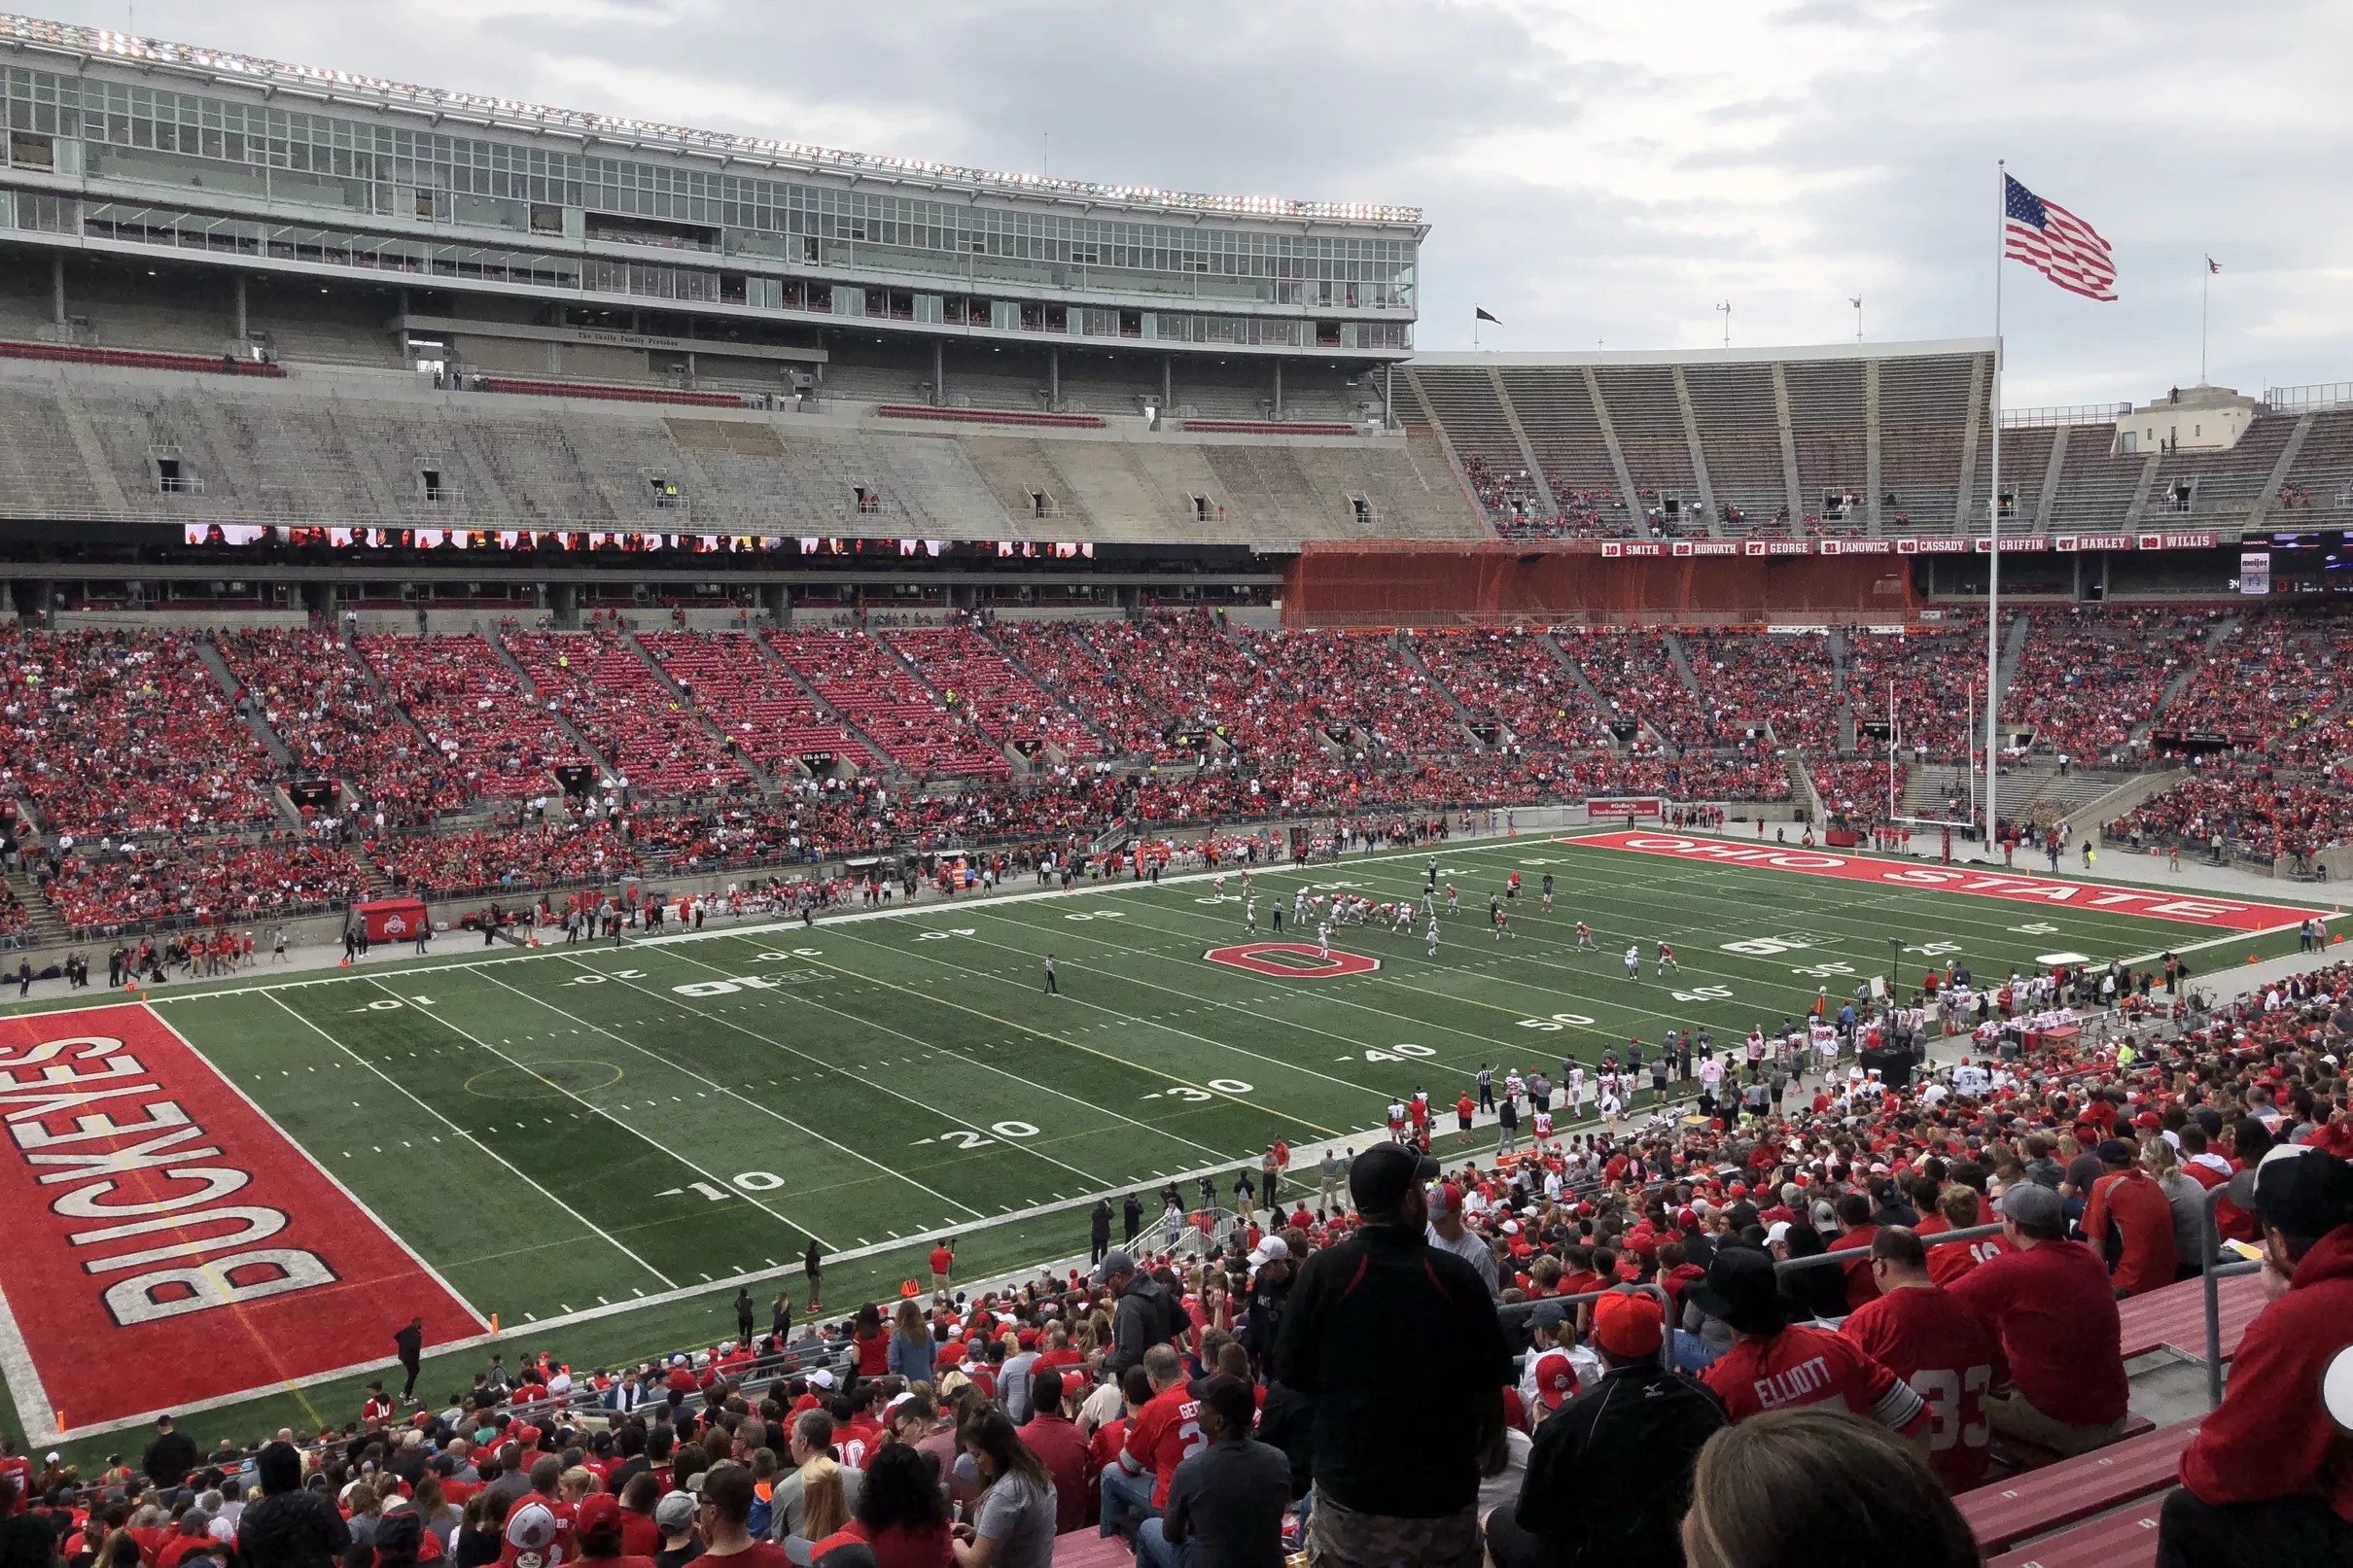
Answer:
[(1125, 1018), (477, 1142), (999, 1071), (868, 1082), (764, 1110)]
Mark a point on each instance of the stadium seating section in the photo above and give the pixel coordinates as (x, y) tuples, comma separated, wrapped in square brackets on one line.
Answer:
[(145, 768)]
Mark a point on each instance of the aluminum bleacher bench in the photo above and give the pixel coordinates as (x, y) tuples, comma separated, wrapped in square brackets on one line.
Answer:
[(1084, 1549), (2175, 1316), (2003, 1513), (2124, 1539)]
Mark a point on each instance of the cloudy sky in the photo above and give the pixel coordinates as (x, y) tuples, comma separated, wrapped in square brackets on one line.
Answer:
[(1605, 173)]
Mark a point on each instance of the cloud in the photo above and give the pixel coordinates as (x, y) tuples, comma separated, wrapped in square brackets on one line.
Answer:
[(1606, 171)]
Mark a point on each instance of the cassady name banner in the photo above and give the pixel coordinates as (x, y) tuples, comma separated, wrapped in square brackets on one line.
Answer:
[(2218, 914), (166, 1244)]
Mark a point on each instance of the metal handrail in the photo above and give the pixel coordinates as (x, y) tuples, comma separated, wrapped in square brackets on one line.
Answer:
[(2213, 1273), (1512, 1311)]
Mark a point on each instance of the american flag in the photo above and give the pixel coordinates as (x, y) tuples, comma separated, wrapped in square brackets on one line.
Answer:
[(2055, 243)]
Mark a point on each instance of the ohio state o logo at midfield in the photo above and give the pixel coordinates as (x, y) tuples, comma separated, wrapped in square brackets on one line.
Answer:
[(1292, 960)]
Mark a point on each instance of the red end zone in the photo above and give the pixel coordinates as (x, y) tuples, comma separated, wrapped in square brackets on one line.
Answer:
[(2216, 914), (166, 1243)]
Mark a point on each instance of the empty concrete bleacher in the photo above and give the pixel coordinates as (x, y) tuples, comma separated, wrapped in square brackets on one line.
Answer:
[(2096, 482), (2319, 484), (1557, 410), (353, 450), (1741, 436), (1649, 421), (2221, 486)]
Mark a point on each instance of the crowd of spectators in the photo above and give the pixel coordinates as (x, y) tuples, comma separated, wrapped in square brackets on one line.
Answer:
[(1363, 686), (473, 709), (2089, 677), (1784, 678), (1067, 658), (988, 695), (1580, 514), (1504, 492), (126, 732), (1937, 677), (1856, 788), (314, 696), (110, 888), (1514, 683), (2268, 687), (2245, 806), (1426, 1353)]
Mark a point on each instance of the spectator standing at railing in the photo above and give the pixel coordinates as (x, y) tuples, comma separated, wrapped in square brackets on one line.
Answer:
[(1400, 1348), (2268, 1479)]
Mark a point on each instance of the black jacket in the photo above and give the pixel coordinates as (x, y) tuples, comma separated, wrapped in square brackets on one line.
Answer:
[(1609, 1476), (1398, 1344), (297, 1529), (169, 1458)]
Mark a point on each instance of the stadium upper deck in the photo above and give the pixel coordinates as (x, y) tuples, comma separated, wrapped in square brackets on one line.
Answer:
[(133, 146)]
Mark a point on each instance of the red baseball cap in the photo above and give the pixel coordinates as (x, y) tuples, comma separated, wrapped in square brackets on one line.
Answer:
[(1555, 1380), (598, 1511), (1628, 1326)]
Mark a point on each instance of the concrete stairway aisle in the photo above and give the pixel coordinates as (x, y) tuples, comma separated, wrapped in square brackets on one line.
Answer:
[(1109, 746), (878, 760), (760, 777), (47, 931), (1678, 657), (563, 720)]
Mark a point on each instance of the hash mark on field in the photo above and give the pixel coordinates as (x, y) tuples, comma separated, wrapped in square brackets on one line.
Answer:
[(604, 1301), (566, 1305), (531, 1317)]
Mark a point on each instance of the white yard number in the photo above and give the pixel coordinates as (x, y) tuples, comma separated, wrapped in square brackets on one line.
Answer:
[(757, 1181), (1765, 947), (1098, 915), (1395, 1053), (942, 937), (796, 953), (1935, 950), (1705, 993), (966, 1139), (2037, 928), (1559, 1021), (1824, 971), (1200, 1097)]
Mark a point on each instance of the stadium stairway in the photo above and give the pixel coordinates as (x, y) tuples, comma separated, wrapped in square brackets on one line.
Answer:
[(1592, 695), (277, 749), (2126, 793), (1801, 786), (2223, 631), (1412, 657), (563, 720), (877, 760), (2014, 643), (49, 930), (760, 777), (1681, 660), (1110, 748)]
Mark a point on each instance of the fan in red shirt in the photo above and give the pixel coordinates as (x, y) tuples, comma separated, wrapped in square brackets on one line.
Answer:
[(2129, 1222), (1855, 1217), (1776, 1365), (1164, 1433), (2049, 1300), (1961, 1208), (2268, 1479), (1940, 1348)]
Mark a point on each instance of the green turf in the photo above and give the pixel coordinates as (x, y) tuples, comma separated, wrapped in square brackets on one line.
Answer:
[(563, 1132)]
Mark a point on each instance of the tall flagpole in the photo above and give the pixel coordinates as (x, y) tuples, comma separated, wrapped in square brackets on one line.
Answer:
[(2205, 286), (1993, 519)]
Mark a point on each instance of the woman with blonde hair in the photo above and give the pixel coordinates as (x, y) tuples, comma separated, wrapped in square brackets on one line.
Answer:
[(1818, 1488), (824, 1498)]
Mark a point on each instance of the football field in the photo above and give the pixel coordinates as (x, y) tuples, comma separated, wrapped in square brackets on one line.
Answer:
[(231, 1192)]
